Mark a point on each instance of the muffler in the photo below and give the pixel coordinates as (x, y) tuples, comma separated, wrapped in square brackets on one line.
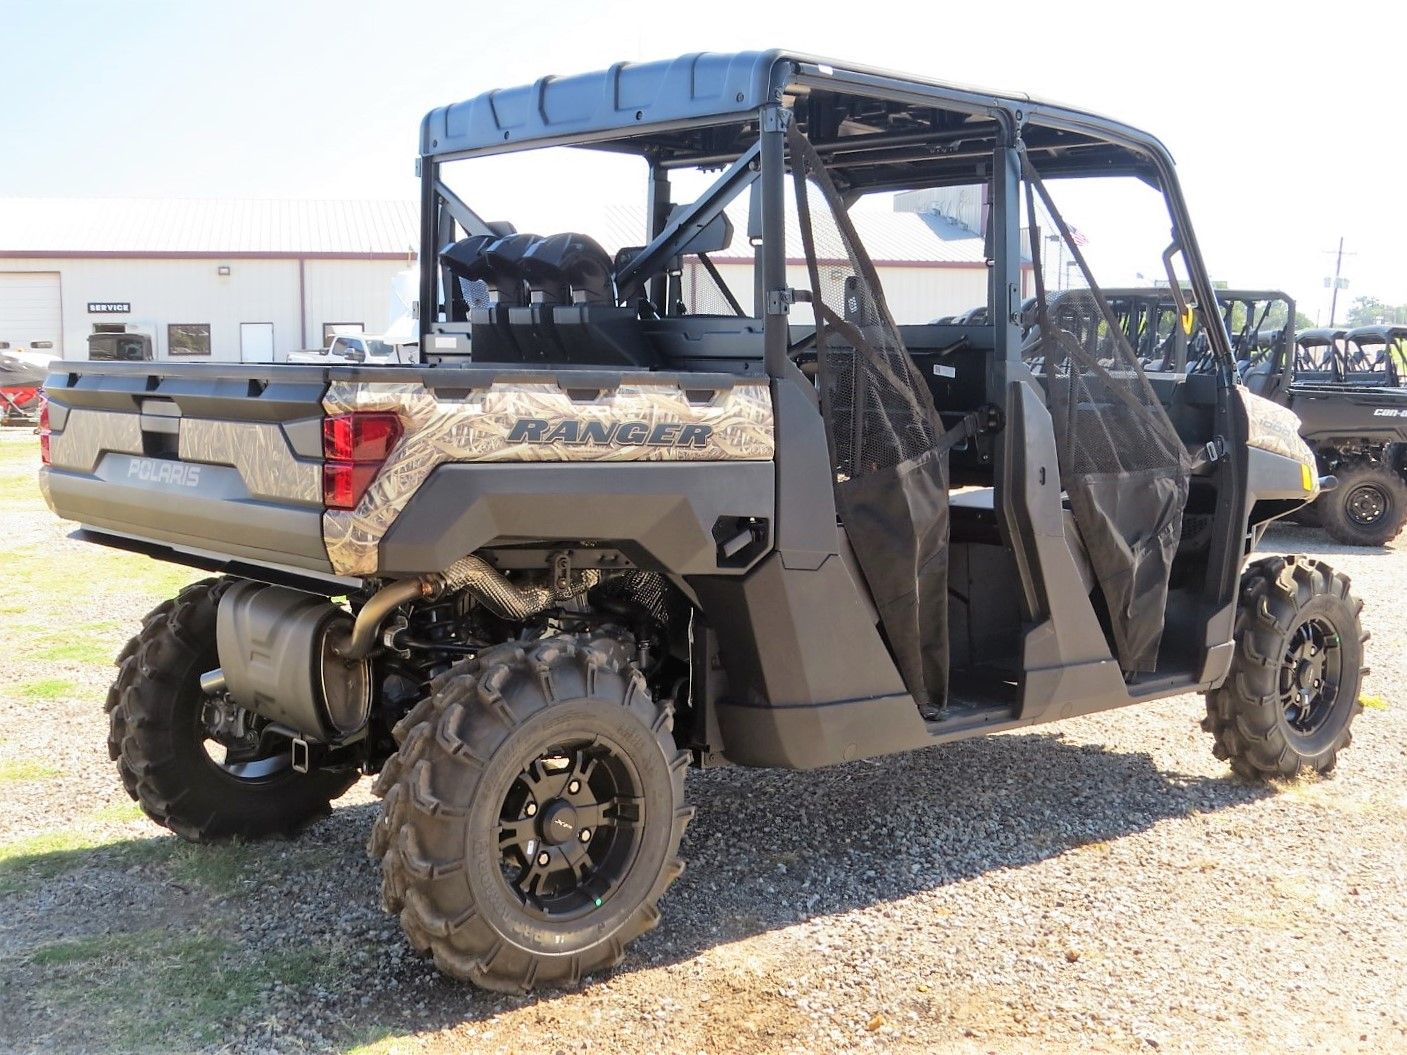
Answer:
[(281, 657)]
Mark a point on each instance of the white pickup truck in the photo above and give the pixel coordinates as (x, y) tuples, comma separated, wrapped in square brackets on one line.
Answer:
[(357, 348)]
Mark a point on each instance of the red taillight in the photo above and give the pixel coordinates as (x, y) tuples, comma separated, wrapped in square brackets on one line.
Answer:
[(354, 446), (344, 483), (44, 428), (360, 436)]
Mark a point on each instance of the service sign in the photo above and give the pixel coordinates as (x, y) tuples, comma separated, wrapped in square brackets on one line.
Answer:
[(109, 307)]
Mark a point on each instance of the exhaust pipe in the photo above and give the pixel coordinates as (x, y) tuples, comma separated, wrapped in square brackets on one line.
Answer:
[(481, 579), (301, 661)]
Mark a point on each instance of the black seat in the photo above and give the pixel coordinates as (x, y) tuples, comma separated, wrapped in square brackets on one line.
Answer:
[(555, 304), (567, 267)]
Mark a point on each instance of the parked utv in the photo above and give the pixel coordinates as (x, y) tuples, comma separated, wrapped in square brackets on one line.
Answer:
[(1353, 414), (1376, 354), (597, 539)]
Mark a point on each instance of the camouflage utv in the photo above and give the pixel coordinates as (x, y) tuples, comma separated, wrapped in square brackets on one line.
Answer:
[(696, 496)]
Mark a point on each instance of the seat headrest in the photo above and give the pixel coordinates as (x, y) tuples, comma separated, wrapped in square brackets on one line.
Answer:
[(569, 266)]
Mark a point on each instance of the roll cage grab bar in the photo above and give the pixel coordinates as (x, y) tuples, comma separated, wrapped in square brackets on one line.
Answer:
[(764, 162)]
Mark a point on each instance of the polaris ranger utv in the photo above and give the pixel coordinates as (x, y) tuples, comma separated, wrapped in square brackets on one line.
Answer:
[(597, 537)]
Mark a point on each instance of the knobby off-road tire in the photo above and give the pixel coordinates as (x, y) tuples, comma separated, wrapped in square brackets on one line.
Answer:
[(486, 768), (1367, 508), (157, 737), (1292, 693)]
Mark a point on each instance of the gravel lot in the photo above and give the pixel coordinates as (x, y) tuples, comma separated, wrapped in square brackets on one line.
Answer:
[(1102, 886)]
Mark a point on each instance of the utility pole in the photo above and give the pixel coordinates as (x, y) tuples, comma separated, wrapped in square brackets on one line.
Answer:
[(1338, 267), (1337, 281)]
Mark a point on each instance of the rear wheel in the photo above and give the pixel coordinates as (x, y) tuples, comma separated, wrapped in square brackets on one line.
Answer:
[(1367, 508), (205, 769), (532, 816), (1292, 693)]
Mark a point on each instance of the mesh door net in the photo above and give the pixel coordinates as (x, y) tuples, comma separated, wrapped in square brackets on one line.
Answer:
[(887, 442), (1122, 463)]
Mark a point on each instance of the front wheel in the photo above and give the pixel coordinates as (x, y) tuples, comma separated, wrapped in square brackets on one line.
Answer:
[(1292, 693), (532, 815), (1367, 508)]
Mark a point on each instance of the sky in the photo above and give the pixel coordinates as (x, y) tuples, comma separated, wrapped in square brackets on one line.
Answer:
[(1284, 118)]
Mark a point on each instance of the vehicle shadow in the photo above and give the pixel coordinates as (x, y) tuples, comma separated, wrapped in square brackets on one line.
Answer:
[(300, 928), (768, 849)]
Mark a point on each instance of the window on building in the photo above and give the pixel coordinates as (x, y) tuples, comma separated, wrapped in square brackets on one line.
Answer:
[(338, 329), (188, 338)]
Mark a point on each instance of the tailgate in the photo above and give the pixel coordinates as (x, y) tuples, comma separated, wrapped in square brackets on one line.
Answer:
[(215, 458)]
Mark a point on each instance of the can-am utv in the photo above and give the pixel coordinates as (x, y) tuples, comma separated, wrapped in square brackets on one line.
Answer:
[(679, 484)]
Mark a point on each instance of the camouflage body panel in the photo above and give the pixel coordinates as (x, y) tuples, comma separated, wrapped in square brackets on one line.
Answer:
[(89, 434), (1273, 428), (639, 421), (259, 452)]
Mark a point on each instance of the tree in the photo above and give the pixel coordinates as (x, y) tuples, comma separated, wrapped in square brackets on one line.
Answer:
[(1366, 311)]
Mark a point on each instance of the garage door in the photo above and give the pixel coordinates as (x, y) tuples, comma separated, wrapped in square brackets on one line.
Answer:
[(30, 309)]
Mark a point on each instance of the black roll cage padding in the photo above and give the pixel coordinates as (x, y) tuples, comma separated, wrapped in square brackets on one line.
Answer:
[(687, 222)]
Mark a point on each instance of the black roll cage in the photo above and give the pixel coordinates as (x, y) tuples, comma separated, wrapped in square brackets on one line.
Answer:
[(971, 134)]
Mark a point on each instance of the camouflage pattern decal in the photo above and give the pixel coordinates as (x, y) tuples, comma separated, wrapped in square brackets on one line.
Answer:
[(260, 453), (536, 422), (89, 434), (1274, 428)]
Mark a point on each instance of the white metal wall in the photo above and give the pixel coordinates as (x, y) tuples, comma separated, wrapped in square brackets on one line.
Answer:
[(916, 293), (348, 291), (166, 291)]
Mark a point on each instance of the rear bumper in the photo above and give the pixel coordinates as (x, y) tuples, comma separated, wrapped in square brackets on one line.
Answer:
[(202, 520)]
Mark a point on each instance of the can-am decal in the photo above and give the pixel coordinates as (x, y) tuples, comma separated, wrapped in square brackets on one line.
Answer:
[(1389, 412)]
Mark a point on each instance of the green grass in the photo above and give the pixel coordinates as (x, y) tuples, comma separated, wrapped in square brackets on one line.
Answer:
[(122, 811), (21, 454), (92, 644), (379, 1040), (16, 488), (26, 769), (97, 650), (26, 863), (221, 869), (48, 689), (160, 989)]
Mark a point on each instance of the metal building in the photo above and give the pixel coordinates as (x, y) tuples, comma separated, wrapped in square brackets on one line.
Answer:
[(205, 279), (929, 268)]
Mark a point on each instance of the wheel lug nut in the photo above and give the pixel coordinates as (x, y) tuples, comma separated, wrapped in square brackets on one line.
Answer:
[(586, 835), (531, 811), (544, 858), (574, 787)]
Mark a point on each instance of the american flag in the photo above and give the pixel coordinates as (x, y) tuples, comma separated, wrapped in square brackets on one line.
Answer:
[(1077, 237)]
